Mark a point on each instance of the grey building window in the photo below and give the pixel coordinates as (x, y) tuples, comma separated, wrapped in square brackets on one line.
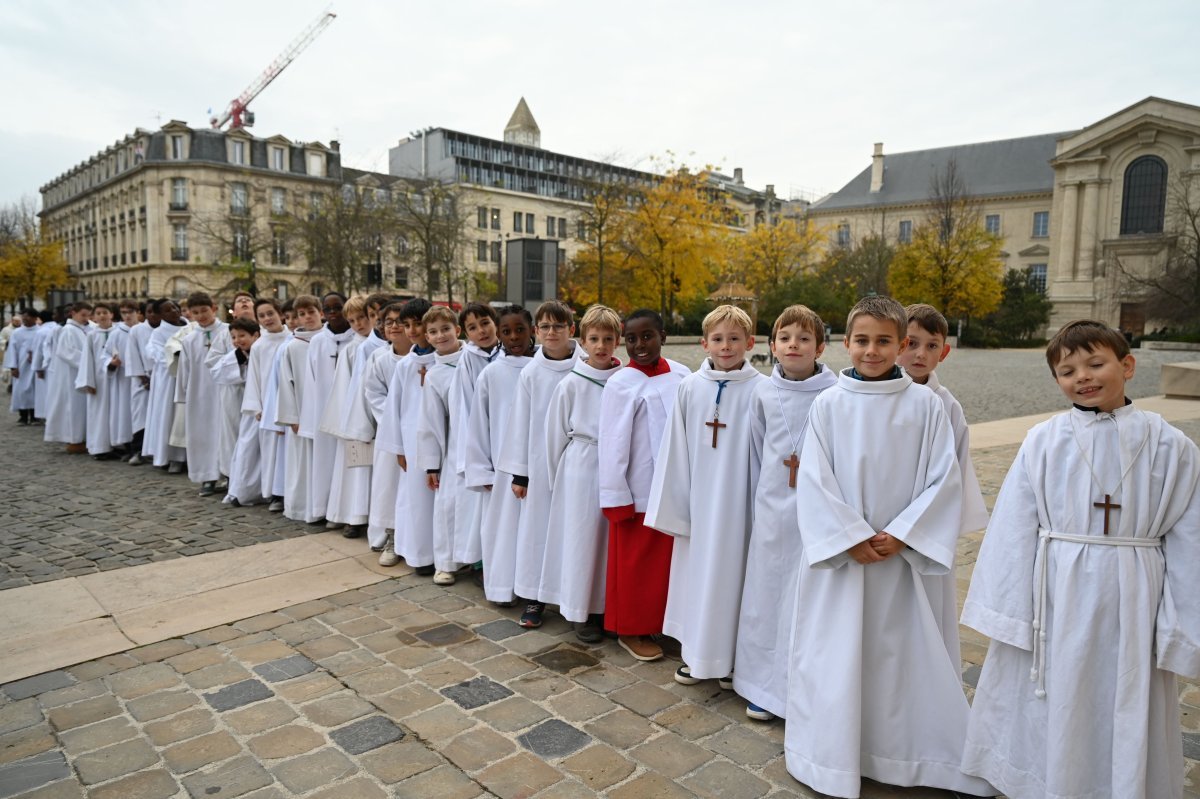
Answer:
[(481, 217), (529, 223), (495, 252), (179, 198), (905, 234), (238, 152), (516, 221), (238, 198), (481, 253), (1144, 196), (495, 219), (843, 235), (177, 148), (550, 227), (1037, 277), (991, 223), (401, 277), (278, 201), (1041, 224), (562, 227), (277, 159)]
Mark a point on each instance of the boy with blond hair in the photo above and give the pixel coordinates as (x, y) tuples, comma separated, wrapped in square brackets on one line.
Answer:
[(350, 486), (636, 404), (779, 417), (196, 390), (291, 390), (873, 690), (574, 564), (927, 347), (1086, 584), (702, 495), (523, 453), (437, 439)]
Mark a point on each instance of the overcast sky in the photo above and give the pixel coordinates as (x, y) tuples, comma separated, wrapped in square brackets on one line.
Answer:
[(794, 92)]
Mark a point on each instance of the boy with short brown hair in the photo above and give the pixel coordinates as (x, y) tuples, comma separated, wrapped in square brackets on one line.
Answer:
[(195, 388), (1086, 584), (873, 687)]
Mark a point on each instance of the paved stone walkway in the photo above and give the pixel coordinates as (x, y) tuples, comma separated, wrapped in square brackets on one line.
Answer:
[(400, 688)]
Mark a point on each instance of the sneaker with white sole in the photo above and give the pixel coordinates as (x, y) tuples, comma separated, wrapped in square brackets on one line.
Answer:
[(443, 578), (276, 506), (758, 713), (388, 556), (683, 676), (726, 683)]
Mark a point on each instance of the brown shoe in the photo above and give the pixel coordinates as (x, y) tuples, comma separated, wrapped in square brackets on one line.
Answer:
[(76, 449), (641, 647)]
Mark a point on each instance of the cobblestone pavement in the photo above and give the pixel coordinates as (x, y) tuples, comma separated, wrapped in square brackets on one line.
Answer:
[(400, 689)]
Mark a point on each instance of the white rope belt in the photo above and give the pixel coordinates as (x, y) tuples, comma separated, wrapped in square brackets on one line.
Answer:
[(585, 438), (1037, 673)]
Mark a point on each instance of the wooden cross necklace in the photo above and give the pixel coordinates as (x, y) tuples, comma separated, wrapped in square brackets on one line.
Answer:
[(716, 424), (1108, 505), (791, 462)]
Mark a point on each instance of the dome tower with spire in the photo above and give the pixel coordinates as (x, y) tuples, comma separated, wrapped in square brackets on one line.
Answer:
[(522, 128)]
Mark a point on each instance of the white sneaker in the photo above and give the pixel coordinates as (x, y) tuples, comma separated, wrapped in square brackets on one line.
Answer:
[(443, 578), (388, 556)]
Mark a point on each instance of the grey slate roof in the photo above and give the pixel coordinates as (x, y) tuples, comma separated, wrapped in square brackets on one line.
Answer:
[(989, 169)]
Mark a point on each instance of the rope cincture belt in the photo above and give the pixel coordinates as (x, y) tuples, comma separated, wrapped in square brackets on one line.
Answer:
[(584, 437), (1037, 673)]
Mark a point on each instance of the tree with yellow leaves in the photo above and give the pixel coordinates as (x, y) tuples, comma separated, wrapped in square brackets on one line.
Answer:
[(769, 255), (29, 266), (952, 262)]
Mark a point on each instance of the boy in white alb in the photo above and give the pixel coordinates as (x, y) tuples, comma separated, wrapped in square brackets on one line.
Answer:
[(1086, 584), (778, 422), (259, 402), (18, 360), (229, 396), (523, 453), (160, 407), (872, 690), (702, 495), (325, 349), (66, 412), (635, 406), (43, 359), (385, 472), (138, 368), (292, 388), (501, 512), (575, 560), (120, 409), (197, 391), (478, 323), (397, 435), (927, 347), (350, 486), (437, 438), (231, 373), (98, 383)]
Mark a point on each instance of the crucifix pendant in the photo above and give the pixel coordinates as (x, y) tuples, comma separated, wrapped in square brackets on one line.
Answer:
[(421, 372), (1108, 506), (793, 463), (716, 425)]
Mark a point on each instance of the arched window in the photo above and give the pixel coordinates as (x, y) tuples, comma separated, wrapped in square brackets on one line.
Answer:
[(1144, 198)]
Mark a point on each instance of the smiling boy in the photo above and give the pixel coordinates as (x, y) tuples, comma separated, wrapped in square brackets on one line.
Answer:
[(1086, 583), (702, 495), (873, 689)]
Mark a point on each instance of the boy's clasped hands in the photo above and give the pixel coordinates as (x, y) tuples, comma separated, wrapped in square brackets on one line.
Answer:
[(876, 549)]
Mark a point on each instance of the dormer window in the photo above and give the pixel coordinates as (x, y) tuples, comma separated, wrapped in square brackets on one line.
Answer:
[(278, 159), (316, 165), (177, 148), (237, 152)]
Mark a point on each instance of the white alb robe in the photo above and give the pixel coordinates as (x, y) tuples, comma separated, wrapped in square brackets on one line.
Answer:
[(437, 441), (872, 689), (137, 366), (201, 399), (94, 374), (293, 386), (267, 445), (385, 472), (350, 487), (523, 453), (229, 401), (19, 355), (468, 507), (397, 435), (635, 409), (160, 406), (324, 351), (66, 412), (120, 411), (245, 465), (779, 418), (262, 399), (576, 558), (1120, 621), (43, 361), (500, 514), (703, 496)]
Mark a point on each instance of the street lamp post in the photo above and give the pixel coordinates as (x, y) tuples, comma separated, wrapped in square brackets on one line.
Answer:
[(253, 276)]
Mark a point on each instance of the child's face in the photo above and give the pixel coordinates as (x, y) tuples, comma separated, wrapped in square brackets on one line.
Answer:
[(515, 335), (82, 316), (103, 317), (129, 316), (797, 350), (361, 323), (393, 329), (415, 330), (169, 312), (289, 319), (643, 341), (443, 335), (268, 318), (481, 331), (1094, 379), (243, 307), (727, 343), (600, 343), (332, 306), (924, 352), (308, 318), (203, 315), (555, 336), (874, 346), (373, 315), (243, 340)]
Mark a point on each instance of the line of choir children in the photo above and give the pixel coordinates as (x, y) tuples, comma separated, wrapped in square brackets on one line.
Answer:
[(801, 526)]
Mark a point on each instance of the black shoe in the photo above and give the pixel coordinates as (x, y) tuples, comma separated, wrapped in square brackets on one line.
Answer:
[(208, 489), (531, 619), (354, 531), (424, 571)]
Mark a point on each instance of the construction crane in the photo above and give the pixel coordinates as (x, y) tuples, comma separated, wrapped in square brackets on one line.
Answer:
[(236, 114)]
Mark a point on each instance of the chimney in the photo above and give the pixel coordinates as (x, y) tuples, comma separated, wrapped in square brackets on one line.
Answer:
[(335, 145), (770, 190), (877, 168), (737, 176)]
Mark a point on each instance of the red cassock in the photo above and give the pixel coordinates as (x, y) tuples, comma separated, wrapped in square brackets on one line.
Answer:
[(639, 569)]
